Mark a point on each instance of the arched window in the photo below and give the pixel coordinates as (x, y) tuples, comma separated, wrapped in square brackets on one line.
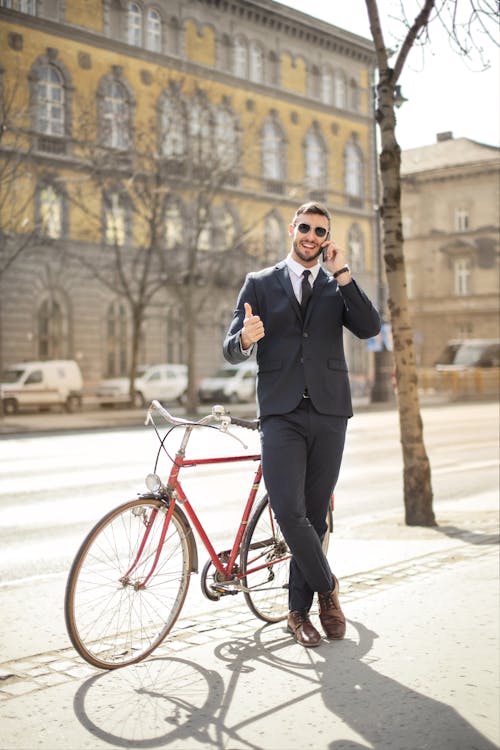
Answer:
[(115, 220), (315, 160), (256, 67), (153, 31), (200, 135), (116, 340), (274, 238), (50, 104), (134, 24), (52, 330), (355, 244), (115, 115), (273, 152), (354, 172), (326, 88), (174, 225), (354, 96), (240, 57), (50, 209), (226, 139), (172, 127), (340, 87)]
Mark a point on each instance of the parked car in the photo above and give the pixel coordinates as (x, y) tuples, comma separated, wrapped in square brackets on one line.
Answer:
[(459, 354), (41, 385), (164, 382), (466, 368), (232, 383)]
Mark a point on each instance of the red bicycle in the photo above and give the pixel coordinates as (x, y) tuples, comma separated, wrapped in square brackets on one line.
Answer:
[(130, 577)]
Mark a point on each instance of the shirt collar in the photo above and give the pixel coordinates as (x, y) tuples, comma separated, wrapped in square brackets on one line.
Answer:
[(298, 269)]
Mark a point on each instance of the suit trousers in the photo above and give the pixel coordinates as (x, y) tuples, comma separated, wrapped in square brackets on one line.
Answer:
[(301, 457)]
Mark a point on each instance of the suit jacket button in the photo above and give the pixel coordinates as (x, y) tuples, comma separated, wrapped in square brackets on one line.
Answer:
[(305, 335)]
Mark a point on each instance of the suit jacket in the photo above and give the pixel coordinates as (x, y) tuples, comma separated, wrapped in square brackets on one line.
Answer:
[(298, 353)]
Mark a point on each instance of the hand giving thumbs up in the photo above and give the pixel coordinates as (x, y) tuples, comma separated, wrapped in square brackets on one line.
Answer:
[(253, 328)]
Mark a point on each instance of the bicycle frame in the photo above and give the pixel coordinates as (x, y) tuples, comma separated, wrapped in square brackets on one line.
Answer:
[(173, 493), (177, 494)]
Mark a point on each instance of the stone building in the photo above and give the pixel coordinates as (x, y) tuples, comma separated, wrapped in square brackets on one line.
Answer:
[(451, 222), (102, 98)]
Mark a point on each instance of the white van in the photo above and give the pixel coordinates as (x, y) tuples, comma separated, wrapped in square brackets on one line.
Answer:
[(41, 385), (233, 383)]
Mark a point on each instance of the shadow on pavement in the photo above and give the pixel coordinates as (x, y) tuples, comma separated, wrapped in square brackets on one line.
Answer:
[(467, 535), (262, 692)]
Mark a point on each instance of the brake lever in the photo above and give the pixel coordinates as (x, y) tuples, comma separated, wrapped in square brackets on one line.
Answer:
[(228, 432)]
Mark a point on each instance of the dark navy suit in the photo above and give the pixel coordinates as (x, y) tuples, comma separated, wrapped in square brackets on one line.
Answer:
[(302, 438)]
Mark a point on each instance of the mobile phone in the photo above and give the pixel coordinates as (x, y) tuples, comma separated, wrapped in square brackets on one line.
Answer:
[(327, 237)]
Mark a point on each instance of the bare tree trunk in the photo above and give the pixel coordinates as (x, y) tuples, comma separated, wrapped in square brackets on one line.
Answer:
[(418, 494)]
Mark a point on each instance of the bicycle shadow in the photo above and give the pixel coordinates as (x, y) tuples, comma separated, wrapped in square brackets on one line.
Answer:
[(264, 684)]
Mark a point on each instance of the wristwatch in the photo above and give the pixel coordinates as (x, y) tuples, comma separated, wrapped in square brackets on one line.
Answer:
[(345, 269)]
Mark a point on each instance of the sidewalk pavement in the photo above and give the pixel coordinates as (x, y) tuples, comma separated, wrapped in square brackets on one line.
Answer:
[(418, 667)]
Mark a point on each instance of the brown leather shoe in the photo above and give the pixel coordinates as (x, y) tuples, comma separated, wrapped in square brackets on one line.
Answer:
[(330, 614), (303, 630)]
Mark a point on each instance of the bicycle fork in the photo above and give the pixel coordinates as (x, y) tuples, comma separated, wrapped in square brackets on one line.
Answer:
[(149, 523)]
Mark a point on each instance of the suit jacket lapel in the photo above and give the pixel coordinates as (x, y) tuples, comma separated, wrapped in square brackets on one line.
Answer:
[(284, 278)]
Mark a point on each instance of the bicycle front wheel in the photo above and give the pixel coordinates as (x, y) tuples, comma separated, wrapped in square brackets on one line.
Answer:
[(119, 604), (265, 558)]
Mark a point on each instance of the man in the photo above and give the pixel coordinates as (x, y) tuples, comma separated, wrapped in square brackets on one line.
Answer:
[(296, 324)]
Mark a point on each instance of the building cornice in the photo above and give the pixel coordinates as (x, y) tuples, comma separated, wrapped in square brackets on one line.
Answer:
[(453, 172), (297, 25)]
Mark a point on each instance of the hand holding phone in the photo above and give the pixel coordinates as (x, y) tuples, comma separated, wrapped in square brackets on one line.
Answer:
[(333, 256)]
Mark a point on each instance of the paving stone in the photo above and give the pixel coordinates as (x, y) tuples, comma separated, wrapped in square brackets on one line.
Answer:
[(19, 688)]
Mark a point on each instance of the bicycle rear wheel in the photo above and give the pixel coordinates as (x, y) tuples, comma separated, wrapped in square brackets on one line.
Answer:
[(265, 554), (111, 617), (264, 547)]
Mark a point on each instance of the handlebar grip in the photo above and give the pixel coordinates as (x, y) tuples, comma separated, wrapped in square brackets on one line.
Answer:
[(248, 424)]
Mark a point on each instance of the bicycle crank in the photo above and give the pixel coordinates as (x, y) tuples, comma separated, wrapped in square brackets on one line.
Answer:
[(220, 583)]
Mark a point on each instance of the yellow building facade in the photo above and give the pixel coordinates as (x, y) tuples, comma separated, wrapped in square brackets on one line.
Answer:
[(279, 106)]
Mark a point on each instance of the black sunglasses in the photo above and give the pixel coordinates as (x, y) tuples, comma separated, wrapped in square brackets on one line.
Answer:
[(318, 231)]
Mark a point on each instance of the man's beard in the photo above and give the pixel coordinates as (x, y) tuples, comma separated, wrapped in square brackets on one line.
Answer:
[(305, 258)]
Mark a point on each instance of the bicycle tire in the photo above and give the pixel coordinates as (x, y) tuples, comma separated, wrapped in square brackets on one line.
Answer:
[(267, 594), (112, 621)]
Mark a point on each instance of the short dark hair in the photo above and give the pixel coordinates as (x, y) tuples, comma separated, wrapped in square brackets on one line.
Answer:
[(312, 207)]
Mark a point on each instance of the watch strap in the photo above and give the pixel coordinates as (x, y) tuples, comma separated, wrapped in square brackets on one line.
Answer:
[(345, 269)]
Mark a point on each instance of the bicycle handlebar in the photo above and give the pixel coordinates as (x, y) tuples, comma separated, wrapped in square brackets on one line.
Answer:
[(218, 414), (248, 424)]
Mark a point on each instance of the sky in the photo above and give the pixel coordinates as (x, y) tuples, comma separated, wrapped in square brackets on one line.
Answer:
[(444, 93)]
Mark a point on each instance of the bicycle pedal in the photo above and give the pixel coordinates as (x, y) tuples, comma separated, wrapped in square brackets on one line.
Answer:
[(223, 591)]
